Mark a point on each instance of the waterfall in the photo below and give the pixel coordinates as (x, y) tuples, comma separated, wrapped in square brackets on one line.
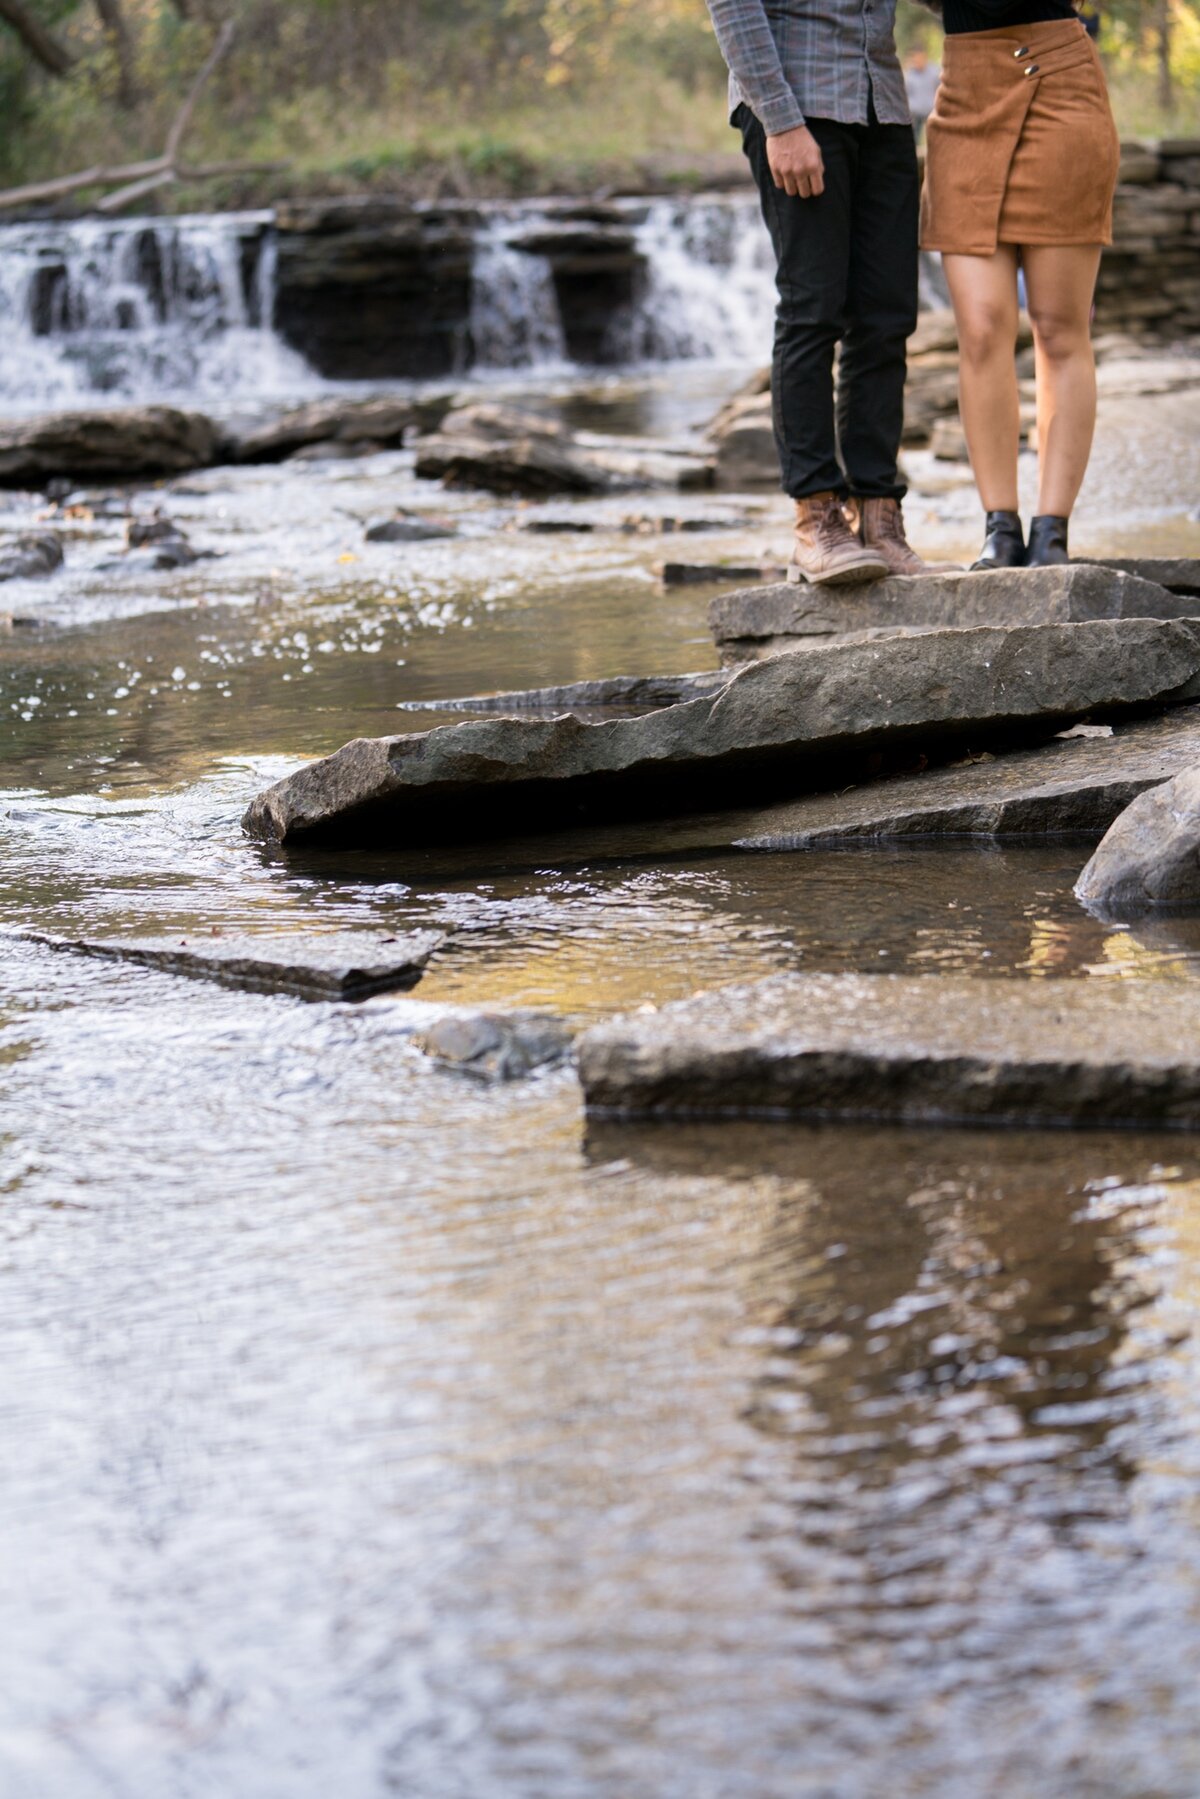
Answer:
[(140, 309), (515, 320), (708, 289), (182, 309)]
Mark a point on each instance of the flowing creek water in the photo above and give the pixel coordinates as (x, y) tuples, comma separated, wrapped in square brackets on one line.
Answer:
[(367, 1430)]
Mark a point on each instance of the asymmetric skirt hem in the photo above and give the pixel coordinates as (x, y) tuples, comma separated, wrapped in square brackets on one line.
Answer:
[(1021, 147)]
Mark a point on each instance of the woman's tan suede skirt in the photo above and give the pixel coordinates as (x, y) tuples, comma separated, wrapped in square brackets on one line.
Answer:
[(1021, 147)]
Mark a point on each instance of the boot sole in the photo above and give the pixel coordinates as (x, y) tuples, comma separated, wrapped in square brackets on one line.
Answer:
[(857, 576)]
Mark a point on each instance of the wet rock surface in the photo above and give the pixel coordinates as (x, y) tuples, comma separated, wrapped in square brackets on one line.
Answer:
[(31, 555), (792, 719), (344, 965), (763, 621), (1080, 785), (405, 529), (1150, 859), (923, 1050), (496, 1046), (708, 574), (132, 440)]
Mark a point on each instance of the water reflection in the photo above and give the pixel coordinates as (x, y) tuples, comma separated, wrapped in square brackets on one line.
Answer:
[(966, 1351)]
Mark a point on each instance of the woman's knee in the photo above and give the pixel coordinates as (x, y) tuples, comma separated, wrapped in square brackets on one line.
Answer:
[(1060, 333), (985, 330)]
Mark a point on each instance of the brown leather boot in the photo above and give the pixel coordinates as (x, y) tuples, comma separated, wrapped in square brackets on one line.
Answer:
[(827, 552), (879, 524)]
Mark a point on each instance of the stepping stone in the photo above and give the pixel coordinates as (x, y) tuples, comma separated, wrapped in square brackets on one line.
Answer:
[(787, 724), (924, 1050), (1081, 784), (753, 622), (1180, 574), (331, 965)]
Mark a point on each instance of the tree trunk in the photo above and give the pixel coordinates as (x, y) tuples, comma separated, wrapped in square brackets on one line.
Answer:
[(114, 24), (1166, 84), (40, 43)]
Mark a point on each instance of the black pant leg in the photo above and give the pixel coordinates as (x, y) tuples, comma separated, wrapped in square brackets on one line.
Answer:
[(811, 239), (881, 310)]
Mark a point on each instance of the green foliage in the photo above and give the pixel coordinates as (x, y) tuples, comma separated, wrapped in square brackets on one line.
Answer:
[(452, 95)]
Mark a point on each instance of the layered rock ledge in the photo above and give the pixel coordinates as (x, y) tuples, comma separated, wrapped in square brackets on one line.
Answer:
[(927, 1050), (753, 622), (790, 724)]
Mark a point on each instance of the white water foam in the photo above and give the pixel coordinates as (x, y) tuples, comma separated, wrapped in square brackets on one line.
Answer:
[(141, 309)]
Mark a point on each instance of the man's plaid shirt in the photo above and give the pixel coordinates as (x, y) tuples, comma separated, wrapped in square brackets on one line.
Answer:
[(822, 59)]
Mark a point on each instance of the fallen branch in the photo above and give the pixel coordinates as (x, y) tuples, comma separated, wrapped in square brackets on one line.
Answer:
[(125, 196), (133, 180)]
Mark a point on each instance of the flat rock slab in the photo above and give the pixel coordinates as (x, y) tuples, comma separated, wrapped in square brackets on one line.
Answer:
[(924, 1051), (1078, 785), (1179, 574), (645, 693), (763, 621), (787, 723), (332, 965)]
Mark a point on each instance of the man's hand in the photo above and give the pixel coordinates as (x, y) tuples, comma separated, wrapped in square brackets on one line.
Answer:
[(796, 163)]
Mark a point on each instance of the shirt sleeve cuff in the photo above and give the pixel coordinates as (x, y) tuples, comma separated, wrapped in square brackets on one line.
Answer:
[(781, 113)]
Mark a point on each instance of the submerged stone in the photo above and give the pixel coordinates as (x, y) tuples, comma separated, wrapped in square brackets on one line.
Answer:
[(331, 965), (763, 621), (928, 1050), (790, 723), (1150, 859), (496, 1046)]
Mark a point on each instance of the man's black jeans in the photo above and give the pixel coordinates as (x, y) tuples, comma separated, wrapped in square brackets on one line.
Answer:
[(847, 272)]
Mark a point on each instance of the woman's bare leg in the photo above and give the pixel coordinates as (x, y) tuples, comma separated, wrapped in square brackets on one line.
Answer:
[(1061, 279), (984, 292)]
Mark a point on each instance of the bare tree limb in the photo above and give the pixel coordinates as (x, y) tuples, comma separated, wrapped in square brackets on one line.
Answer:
[(41, 44), (62, 185), (113, 20), (134, 179), (175, 136), (125, 196)]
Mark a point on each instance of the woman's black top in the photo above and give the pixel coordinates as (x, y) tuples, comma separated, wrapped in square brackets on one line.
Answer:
[(989, 15)]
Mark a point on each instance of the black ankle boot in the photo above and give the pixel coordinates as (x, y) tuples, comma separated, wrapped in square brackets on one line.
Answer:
[(1004, 544), (1047, 541)]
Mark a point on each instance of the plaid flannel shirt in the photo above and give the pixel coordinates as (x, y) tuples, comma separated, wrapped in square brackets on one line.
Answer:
[(823, 59)]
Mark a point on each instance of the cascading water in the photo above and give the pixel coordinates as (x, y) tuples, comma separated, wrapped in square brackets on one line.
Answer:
[(141, 309), (183, 308), (708, 288), (515, 319)]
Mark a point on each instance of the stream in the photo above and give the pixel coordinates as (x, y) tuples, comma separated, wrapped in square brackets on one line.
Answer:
[(370, 1430)]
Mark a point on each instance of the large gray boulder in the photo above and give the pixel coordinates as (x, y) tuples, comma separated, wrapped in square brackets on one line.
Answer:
[(928, 1049), (1149, 861), (131, 440), (753, 622), (799, 722)]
